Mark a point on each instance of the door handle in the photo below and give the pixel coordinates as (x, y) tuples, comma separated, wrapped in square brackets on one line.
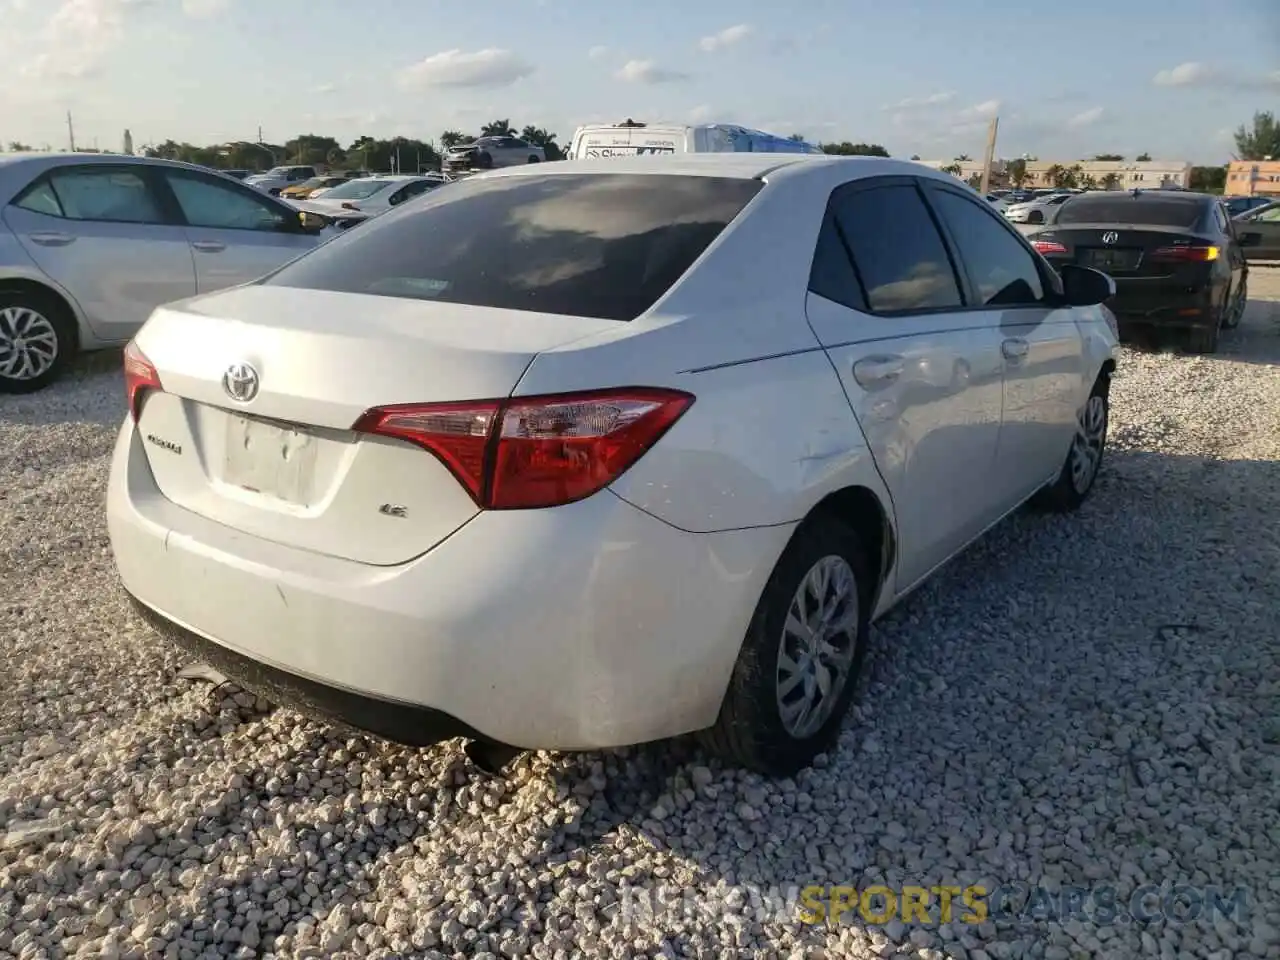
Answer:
[(1015, 348), (209, 246), (877, 371), (51, 239)]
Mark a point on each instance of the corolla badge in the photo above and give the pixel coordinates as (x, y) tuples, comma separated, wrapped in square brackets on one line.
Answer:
[(241, 382)]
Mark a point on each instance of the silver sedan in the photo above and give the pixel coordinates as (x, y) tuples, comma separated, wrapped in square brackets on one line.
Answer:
[(90, 244)]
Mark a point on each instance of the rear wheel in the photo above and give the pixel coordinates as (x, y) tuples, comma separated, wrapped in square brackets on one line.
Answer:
[(1238, 304), (534, 159), (484, 161), (1084, 459), (800, 660), (37, 339)]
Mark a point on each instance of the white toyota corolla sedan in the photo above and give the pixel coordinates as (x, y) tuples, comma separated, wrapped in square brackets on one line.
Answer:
[(579, 455)]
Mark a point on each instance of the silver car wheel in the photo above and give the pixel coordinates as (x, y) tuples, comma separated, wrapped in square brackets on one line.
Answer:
[(1086, 449), (816, 651), (28, 343)]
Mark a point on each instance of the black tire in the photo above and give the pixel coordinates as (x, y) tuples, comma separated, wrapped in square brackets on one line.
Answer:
[(54, 315), (1235, 313), (1204, 340), (534, 159), (750, 732), (1066, 493), (484, 161)]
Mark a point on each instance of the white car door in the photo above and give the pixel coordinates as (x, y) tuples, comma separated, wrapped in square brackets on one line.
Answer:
[(1044, 379), (236, 235), (103, 233), (922, 373)]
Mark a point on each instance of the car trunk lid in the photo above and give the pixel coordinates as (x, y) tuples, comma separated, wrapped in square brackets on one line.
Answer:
[(284, 464), (1127, 251)]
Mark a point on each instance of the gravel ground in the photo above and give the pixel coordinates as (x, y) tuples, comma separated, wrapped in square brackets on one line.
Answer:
[(1083, 701)]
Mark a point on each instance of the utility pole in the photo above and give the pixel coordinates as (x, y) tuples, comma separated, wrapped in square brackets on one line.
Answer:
[(990, 156), (71, 132)]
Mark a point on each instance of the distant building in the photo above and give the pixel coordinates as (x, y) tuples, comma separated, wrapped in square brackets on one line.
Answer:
[(1123, 174), (972, 168), (128, 144), (1248, 177)]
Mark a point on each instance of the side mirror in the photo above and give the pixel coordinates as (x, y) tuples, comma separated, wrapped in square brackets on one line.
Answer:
[(312, 222), (1249, 239), (1035, 216), (1084, 286)]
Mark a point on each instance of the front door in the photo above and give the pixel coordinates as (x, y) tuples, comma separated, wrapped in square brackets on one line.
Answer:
[(923, 375), (1266, 223), (102, 233), (236, 234), (1040, 343)]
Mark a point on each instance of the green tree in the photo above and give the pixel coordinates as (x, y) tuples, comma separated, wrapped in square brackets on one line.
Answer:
[(975, 181), (964, 158), (1088, 182), (1208, 179), (797, 137), (1057, 175), (313, 150), (1259, 140), (1017, 170), (1108, 157), (451, 138), (541, 137), (915, 156), (17, 146), (847, 149), (1143, 158), (953, 169), (498, 128), (1111, 181)]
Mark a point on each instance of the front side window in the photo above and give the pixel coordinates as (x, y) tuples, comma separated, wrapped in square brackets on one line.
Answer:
[(897, 251), (111, 195), (206, 203), (592, 245), (1002, 271)]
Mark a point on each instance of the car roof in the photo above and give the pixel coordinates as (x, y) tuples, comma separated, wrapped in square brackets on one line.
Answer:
[(743, 166), (1164, 196)]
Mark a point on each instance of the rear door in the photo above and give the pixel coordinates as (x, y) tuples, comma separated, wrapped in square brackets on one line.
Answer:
[(922, 373), (236, 234), (1044, 375), (105, 234), (1266, 223)]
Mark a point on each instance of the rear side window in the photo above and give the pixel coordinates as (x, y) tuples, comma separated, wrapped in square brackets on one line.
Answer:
[(95, 193), (592, 245), (1150, 211), (898, 252)]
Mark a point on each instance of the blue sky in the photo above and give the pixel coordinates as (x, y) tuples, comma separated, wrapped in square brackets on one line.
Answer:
[(1169, 77)]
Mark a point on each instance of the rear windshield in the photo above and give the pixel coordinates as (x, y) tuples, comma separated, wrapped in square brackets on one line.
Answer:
[(1152, 211), (591, 245)]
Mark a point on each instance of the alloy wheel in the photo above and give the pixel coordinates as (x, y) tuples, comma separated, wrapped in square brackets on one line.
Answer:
[(28, 343), (817, 647), (1086, 449)]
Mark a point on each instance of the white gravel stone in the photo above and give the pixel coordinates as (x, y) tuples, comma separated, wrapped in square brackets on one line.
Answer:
[(1093, 699)]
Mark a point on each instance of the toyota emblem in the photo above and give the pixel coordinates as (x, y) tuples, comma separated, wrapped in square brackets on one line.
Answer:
[(241, 382), (1110, 237)]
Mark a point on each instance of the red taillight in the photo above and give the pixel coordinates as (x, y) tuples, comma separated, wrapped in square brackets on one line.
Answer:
[(139, 377), (1189, 254), (1048, 246), (530, 452)]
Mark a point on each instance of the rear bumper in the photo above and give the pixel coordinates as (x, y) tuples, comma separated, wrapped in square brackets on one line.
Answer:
[(586, 626), (1181, 306)]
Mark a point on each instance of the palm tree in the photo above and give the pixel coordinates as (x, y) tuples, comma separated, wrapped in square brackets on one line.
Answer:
[(953, 169), (451, 138), (1110, 181)]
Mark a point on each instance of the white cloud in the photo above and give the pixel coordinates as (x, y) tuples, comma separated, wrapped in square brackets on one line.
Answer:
[(491, 67), (916, 103), (981, 111), (1086, 117), (1185, 75), (78, 37), (646, 71), (324, 88), (726, 37), (701, 113), (205, 9), (598, 52)]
